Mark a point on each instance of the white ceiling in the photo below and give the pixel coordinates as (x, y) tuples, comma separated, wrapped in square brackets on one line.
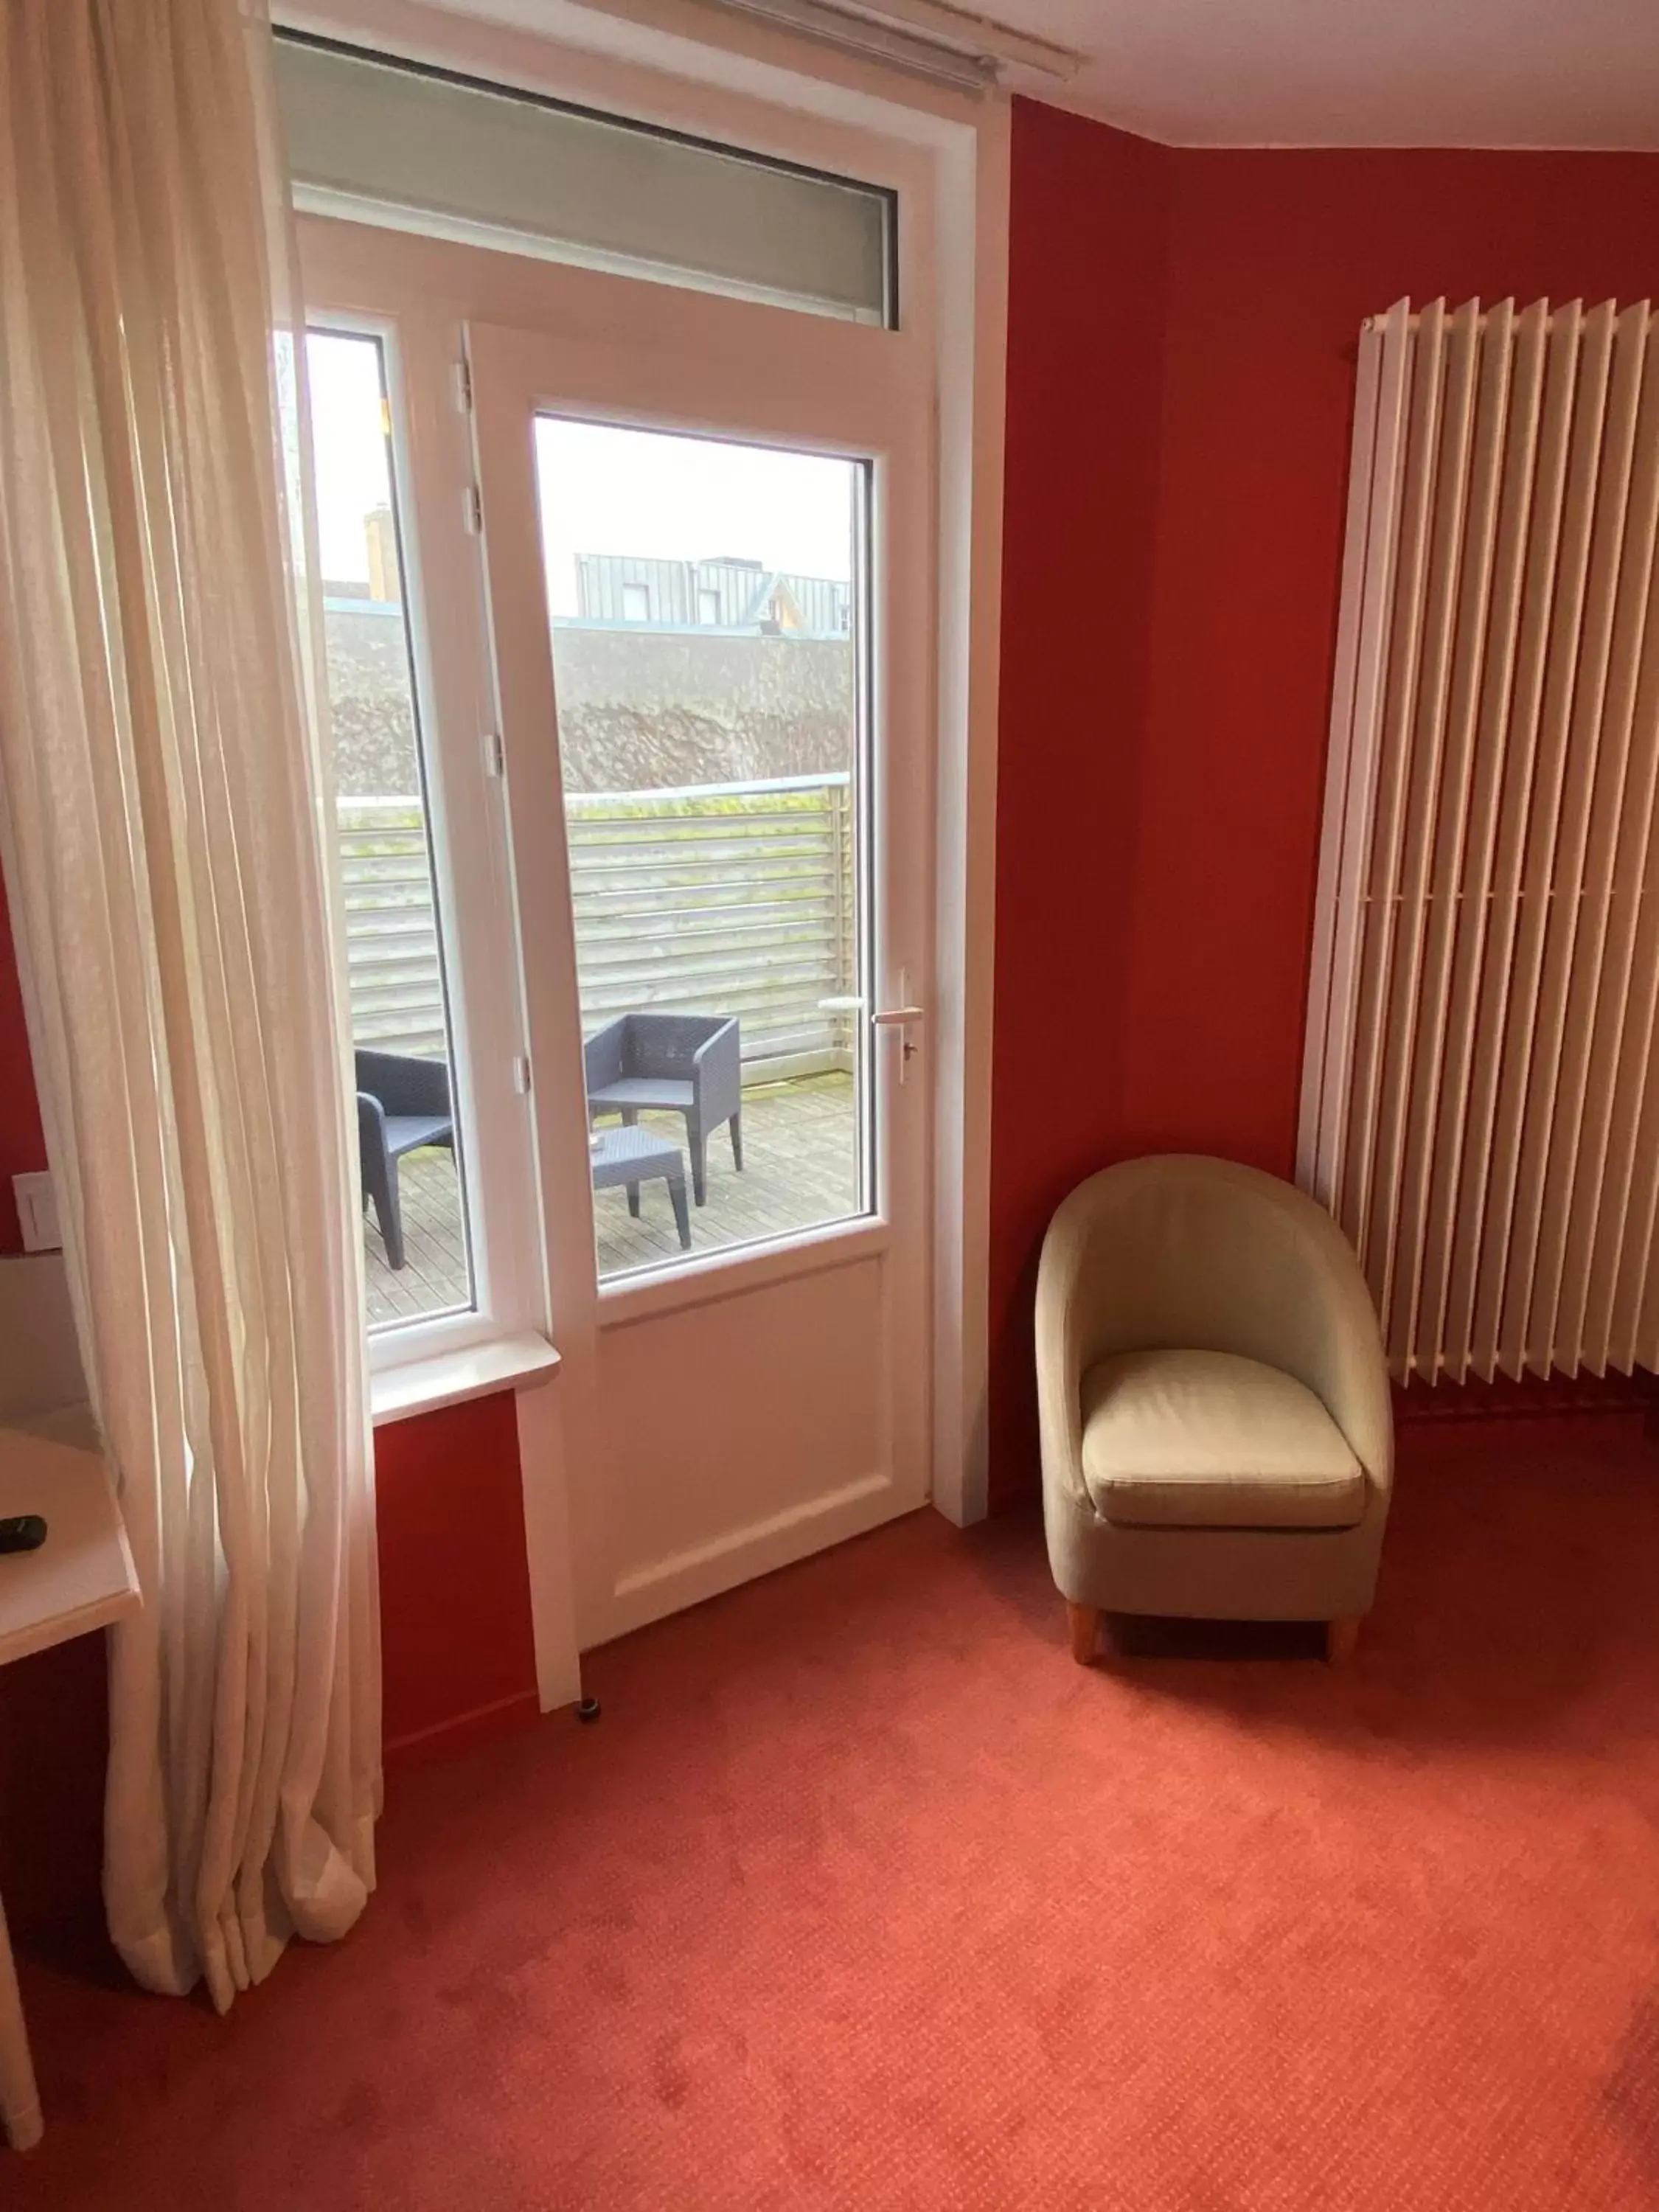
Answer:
[(1558, 73), (1358, 72)]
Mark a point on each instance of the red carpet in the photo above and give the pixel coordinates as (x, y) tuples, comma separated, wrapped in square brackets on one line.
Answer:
[(862, 1895)]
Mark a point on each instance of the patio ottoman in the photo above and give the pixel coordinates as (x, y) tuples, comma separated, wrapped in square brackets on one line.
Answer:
[(633, 1155)]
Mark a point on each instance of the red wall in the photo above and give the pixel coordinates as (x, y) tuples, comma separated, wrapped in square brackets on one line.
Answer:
[(22, 1145), (1087, 272), (1180, 355), (458, 1657), (457, 1648)]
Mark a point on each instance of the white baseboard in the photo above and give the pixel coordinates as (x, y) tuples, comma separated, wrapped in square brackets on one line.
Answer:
[(682, 1579)]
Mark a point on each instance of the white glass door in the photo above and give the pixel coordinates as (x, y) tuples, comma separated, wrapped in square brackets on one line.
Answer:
[(708, 573), (705, 599)]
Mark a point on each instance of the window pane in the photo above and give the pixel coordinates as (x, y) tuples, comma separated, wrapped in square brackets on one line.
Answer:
[(415, 1223), (704, 598)]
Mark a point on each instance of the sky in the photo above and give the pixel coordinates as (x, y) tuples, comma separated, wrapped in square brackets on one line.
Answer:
[(603, 490), (671, 498), (350, 449)]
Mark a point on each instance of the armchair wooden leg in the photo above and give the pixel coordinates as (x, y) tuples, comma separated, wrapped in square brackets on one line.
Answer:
[(1085, 1631), (1340, 1638)]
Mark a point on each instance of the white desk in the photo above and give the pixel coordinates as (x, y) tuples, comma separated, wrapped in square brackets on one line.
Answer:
[(81, 1578)]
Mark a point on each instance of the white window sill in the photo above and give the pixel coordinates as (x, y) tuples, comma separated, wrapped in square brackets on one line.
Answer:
[(449, 1378)]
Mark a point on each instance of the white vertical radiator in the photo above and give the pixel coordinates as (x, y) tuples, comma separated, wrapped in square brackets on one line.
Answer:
[(1481, 1091)]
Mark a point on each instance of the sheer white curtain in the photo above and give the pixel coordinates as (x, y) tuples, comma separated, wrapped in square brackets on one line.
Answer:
[(165, 791)]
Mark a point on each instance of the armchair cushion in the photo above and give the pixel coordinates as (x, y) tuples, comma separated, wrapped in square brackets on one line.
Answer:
[(1212, 1440)]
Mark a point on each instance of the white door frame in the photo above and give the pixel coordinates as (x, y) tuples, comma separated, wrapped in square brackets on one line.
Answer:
[(672, 360), (757, 85)]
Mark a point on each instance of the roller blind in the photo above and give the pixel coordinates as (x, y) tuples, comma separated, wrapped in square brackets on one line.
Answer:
[(384, 142)]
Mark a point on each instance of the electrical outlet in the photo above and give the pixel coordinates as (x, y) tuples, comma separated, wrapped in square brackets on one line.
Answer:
[(37, 1212)]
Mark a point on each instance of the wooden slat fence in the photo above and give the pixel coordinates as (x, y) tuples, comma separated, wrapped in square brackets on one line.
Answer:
[(721, 899), (737, 900), (392, 938)]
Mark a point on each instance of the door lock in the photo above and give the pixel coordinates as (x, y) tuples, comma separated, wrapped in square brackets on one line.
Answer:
[(904, 1019)]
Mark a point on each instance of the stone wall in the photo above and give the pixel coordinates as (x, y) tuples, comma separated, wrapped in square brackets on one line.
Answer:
[(369, 702), (647, 709), (638, 709)]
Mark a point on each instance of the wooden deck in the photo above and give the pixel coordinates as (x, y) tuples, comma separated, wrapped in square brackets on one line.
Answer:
[(799, 1142)]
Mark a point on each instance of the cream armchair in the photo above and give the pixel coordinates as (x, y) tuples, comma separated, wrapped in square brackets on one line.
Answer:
[(1217, 1434)]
